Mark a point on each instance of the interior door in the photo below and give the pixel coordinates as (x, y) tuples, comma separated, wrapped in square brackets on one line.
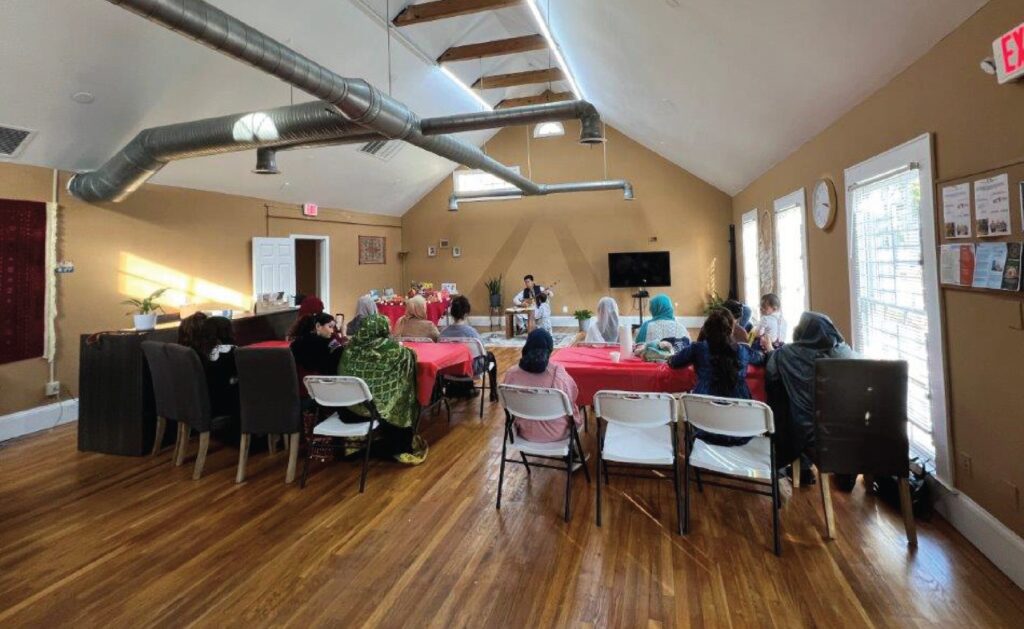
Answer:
[(273, 266)]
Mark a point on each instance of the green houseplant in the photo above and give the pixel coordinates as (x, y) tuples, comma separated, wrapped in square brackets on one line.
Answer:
[(494, 291), (582, 316), (144, 310), (713, 301)]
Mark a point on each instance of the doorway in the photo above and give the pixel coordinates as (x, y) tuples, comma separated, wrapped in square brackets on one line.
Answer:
[(312, 267)]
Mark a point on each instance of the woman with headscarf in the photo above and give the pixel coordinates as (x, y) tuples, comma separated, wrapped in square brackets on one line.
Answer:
[(390, 371), (535, 370), (662, 323), (604, 327), (414, 322), (365, 307), (309, 306), (790, 384)]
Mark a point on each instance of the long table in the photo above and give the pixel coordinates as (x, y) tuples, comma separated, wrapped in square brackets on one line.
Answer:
[(394, 312), (593, 370)]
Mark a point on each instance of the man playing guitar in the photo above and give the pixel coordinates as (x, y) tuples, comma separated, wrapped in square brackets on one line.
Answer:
[(528, 297)]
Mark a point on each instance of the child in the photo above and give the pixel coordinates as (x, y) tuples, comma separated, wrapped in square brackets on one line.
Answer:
[(771, 324), (542, 315)]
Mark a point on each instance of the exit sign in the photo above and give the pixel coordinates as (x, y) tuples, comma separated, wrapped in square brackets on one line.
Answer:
[(309, 209), (1008, 50)]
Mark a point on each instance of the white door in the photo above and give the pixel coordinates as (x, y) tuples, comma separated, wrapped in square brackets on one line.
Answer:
[(273, 266), (894, 284)]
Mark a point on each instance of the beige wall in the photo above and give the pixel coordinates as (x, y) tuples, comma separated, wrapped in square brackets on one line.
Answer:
[(566, 238), (160, 236), (976, 125)]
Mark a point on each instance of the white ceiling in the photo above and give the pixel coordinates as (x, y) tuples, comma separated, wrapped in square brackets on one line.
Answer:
[(723, 89)]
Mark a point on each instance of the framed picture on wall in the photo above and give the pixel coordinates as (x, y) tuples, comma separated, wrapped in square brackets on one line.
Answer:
[(431, 251), (443, 244), (372, 250), (456, 251)]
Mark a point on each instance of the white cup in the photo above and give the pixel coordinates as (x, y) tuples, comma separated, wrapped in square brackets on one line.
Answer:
[(615, 356)]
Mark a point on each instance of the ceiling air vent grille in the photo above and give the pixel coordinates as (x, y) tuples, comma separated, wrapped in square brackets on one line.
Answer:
[(383, 150), (13, 140)]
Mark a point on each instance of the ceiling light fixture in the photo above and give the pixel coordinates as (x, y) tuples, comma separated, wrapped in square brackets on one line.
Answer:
[(542, 25), (465, 88), (83, 98)]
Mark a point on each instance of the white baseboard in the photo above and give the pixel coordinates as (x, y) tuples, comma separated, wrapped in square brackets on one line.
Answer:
[(994, 539), (560, 321), (39, 418)]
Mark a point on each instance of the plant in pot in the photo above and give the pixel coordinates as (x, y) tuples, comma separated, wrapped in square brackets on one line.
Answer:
[(582, 316), (713, 301), (144, 312), (494, 291)]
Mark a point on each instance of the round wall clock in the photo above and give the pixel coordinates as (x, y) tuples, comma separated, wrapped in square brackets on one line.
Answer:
[(824, 208)]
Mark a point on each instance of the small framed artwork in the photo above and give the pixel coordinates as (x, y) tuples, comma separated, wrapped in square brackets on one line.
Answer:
[(431, 251), (443, 244), (372, 250), (456, 252)]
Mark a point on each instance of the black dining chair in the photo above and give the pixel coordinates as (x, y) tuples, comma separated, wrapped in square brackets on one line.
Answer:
[(192, 402), (268, 387), (163, 391)]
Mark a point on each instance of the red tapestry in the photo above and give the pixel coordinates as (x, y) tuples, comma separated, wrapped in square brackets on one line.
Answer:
[(22, 279)]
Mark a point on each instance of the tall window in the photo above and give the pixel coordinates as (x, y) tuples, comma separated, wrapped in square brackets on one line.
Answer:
[(791, 258), (751, 272)]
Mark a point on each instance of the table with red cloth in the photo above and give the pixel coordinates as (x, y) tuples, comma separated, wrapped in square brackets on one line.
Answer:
[(593, 370), (394, 312), (431, 359)]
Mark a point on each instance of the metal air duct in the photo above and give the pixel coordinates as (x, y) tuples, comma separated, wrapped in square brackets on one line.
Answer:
[(548, 188)]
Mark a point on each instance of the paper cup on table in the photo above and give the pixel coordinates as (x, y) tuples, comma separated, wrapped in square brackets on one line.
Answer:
[(615, 356)]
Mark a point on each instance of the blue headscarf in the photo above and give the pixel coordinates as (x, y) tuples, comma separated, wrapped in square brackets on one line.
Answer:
[(661, 310), (744, 319), (537, 351)]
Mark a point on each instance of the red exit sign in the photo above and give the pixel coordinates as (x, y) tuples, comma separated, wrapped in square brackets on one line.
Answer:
[(310, 209), (1008, 50)]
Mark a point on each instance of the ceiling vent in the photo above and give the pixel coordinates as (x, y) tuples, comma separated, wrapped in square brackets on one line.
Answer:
[(13, 141), (383, 150)]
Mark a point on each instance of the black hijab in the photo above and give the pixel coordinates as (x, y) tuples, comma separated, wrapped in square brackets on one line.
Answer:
[(537, 351)]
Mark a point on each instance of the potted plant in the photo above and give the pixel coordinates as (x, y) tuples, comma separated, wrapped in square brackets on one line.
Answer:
[(494, 291), (582, 316), (144, 312), (713, 301)]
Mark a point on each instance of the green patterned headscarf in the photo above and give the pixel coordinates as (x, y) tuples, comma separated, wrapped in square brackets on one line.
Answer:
[(388, 369)]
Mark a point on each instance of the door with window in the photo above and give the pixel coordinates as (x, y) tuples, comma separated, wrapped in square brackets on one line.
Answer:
[(893, 284), (791, 258)]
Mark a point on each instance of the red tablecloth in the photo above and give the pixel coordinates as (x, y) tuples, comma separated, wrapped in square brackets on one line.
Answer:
[(431, 359), (593, 370), (435, 310)]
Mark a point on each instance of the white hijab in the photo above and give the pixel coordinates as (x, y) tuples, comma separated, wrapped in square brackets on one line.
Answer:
[(604, 328)]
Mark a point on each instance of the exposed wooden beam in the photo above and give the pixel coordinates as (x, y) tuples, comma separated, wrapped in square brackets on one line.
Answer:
[(495, 48), (519, 78), (442, 9), (547, 96)]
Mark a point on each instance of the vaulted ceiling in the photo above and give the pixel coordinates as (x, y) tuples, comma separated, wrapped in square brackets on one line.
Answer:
[(723, 89)]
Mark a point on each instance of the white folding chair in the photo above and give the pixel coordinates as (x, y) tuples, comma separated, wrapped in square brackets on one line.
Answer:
[(640, 431), (476, 350), (751, 465), (339, 392), (544, 405)]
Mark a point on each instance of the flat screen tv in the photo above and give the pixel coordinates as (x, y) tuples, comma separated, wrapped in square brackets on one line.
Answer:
[(638, 269)]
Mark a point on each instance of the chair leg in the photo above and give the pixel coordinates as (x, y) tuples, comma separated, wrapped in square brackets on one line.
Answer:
[(679, 502), (526, 463), (291, 443), (271, 443), (184, 431), (568, 483), (305, 469), (583, 458), (501, 471), (907, 507), (826, 501), (686, 495), (700, 485), (796, 472), (204, 445), (366, 457), (483, 393), (600, 464), (285, 441), (161, 428), (777, 540), (243, 457)]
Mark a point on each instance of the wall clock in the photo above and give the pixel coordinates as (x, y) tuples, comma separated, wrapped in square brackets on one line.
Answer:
[(824, 208)]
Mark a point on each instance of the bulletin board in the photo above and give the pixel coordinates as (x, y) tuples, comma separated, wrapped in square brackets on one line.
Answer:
[(1015, 176)]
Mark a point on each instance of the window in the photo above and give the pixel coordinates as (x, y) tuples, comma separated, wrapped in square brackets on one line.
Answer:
[(470, 182), (791, 258), (892, 281), (549, 129), (751, 271)]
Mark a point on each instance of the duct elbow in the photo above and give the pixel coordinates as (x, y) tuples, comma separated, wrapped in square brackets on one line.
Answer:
[(266, 162), (591, 128), (453, 203), (627, 191)]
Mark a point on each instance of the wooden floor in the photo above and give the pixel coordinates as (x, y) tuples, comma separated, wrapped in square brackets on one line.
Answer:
[(128, 542)]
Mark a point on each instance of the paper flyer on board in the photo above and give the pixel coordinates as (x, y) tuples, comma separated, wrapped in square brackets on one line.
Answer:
[(992, 205), (989, 263), (956, 211), (1011, 270), (956, 264)]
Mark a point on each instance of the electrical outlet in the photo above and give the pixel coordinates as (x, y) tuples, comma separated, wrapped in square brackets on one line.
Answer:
[(967, 465), (52, 388)]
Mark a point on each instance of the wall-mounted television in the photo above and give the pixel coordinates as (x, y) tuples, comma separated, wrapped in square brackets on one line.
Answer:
[(638, 269)]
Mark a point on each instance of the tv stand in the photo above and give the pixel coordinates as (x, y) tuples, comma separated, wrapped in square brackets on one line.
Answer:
[(641, 294)]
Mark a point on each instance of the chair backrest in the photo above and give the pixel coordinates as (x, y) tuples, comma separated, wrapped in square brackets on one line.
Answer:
[(414, 339), (642, 410), (335, 391), (728, 416), (861, 416), (163, 379), (536, 403), (268, 390), (474, 345), (192, 394)]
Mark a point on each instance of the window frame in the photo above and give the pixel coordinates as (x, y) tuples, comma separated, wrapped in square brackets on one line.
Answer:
[(751, 216), (460, 173), (797, 198)]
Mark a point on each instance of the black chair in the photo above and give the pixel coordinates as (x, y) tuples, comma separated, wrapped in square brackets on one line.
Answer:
[(192, 401), (861, 427), (269, 402), (163, 391)]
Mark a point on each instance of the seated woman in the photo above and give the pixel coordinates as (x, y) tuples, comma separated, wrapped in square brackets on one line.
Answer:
[(662, 323), (534, 370), (390, 371), (365, 307), (310, 305), (721, 365), (414, 322), (215, 348), (461, 329), (190, 330), (315, 346), (740, 333), (790, 384), (604, 327)]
